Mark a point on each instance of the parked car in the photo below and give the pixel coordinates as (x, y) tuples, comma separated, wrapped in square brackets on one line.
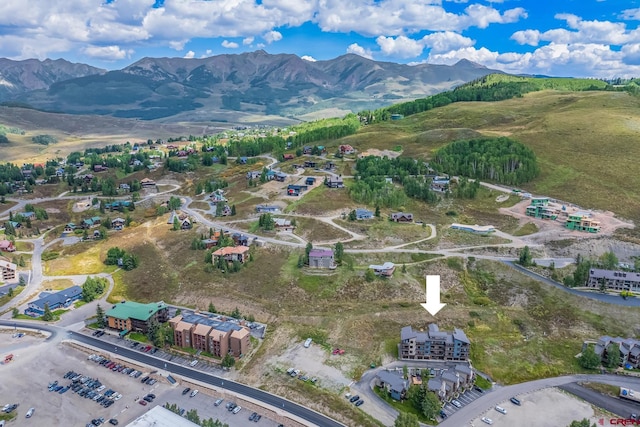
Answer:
[(193, 363), (142, 402), (478, 389), (354, 399), (193, 393), (456, 403), (359, 402), (515, 401), (186, 390), (113, 422), (30, 412), (443, 414), (217, 402), (237, 409), (487, 420), (501, 410), (252, 416)]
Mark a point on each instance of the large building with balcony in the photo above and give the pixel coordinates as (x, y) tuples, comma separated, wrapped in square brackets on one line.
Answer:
[(130, 316), (433, 344), (210, 334)]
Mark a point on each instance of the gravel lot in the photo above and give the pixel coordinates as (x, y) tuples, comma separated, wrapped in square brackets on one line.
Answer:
[(312, 361), (542, 408)]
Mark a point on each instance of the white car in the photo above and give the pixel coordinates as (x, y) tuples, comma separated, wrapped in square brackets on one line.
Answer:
[(501, 410), (193, 393), (456, 403), (99, 389), (487, 420), (193, 363), (30, 412), (237, 409), (117, 397), (307, 343)]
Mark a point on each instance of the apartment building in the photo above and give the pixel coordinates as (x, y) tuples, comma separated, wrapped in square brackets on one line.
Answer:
[(433, 344), (212, 335), (129, 316), (614, 280)]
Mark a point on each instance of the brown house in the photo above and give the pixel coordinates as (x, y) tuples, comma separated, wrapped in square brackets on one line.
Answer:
[(232, 253), (401, 217)]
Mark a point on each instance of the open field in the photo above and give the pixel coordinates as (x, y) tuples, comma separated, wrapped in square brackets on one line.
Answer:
[(603, 125)]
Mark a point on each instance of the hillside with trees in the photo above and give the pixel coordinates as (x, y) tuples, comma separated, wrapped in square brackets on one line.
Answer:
[(497, 159)]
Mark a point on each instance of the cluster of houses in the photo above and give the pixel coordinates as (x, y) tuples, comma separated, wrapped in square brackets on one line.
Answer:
[(581, 221), (217, 197), (239, 239), (270, 175), (213, 335)]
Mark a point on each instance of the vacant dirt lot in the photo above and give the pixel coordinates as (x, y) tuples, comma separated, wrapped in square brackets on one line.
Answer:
[(548, 407), (312, 362)]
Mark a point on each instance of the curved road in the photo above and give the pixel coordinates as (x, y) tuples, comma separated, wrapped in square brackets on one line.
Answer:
[(488, 401), (309, 415)]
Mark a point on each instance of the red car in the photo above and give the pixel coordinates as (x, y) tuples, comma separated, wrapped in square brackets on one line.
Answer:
[(142, 402)]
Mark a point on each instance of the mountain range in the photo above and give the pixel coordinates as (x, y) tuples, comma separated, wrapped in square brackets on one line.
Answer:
[(226, 87)]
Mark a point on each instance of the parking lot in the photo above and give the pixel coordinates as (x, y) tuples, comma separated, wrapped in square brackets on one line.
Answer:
[(202, 365), (464, 399), (26, 381)]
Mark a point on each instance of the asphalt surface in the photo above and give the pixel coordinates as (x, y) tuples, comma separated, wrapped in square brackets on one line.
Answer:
[(611, 299), (270, 399), (622, 408)]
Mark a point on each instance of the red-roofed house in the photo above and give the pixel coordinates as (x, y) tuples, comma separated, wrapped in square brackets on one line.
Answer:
[(7, 246), (347, 149), (232, 253)]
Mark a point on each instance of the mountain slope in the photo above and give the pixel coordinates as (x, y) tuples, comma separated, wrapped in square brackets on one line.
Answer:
[(17, 77), (253, 83)]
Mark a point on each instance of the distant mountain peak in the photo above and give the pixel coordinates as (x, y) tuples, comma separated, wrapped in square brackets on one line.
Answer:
[(466, 63)]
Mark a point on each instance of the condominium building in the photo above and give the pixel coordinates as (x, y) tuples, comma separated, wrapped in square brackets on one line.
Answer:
[(129, 316), (433, 344), (614, 280), (212, 335)]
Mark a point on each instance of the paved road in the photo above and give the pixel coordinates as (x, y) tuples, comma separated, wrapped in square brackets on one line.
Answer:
[(277, 402), (611, 299), (622, 408), (500, 395)]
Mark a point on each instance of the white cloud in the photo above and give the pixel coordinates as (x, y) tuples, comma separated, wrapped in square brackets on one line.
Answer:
[(631, 14), (575, 60), (272, 36), (308, 58), (189, 55), (229, 45), (402, 47), (530, 37), (445, 41), (247, 41), (109, 53), (177, 44), (482, 16), (355, 48)]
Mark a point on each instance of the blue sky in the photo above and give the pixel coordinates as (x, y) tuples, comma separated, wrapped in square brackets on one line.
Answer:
[(581, 38)]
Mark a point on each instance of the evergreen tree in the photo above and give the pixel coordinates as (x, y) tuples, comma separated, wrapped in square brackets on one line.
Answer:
[(228, 361), (47, 316), (406, 419), (525, 259), (377, 213), (100, 319), (339, 252), (212, 308), (233, 210), (613, 356), (10, 292), (176, 224), (15, 312)]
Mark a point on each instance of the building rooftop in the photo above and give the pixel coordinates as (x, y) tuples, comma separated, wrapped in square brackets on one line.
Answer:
[(320, 252), (386, 266), (219, 325), (599, 273), (160, 417), (228, 250), (135, 310), (57, 298)]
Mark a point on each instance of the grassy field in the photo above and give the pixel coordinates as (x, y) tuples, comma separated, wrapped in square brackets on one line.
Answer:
[(314, 230), (57, 285), (81, 258), (322, 200), (570, 132)]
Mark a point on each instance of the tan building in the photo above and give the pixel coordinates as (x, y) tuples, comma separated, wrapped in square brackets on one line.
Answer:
[(8, 271), (217, 337), (129, 316), (239, 341)]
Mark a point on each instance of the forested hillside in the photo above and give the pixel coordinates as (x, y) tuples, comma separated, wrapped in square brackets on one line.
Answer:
[(499, 159)]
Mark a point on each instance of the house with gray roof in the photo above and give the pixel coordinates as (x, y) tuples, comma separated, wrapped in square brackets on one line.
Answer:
[(629, 349), (450, 381), (55, 301), (395, 384), (433, 344)]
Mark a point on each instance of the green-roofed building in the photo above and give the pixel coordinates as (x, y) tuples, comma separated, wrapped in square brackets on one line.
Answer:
[(134, 316)]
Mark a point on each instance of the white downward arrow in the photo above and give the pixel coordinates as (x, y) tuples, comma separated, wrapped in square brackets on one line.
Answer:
[(433, 304)]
